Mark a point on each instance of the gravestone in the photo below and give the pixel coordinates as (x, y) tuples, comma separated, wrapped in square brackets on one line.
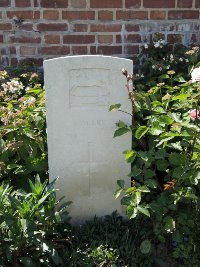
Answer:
[(81, 147)]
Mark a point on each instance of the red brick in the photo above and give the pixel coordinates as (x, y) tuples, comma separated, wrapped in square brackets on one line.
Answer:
[(22, 3), (78, 39), (27, 51), (14, 61), (157, 14), (25, 39), (54, 3), (193, 38), (197, 3), (51, 14), (23, 14), (105, 3), (106, 28), (1, 38), (132, 28), (80, 27), (54, 50), (131, 49), (174, 38), (4, 3), (159, 3), (105, 39), (52, 27), (105, 15), (12, 50), (79, 50), (106, 50), (183, 14), (184, 4), (26, 27), (52, 39), (130, 15), (132, 3), (3, 51), (36, 3), (30, 60), (5, 26), (8, 50), (78, 3), (130, 38), (78, 15)]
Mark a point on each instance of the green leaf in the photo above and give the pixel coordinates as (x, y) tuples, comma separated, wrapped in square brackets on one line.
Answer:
[(162, 165), (28, 262), (165, 119), (114, 107), (148, 173), (160, 154), (151, 183), (121, 131), (143, 189), (181, 97), (137, 197), (143, 155), (145, 246), (180, 79), (131, 212), (130, 155), (177, 159), (121, 124), (143, 211), (164, 76), (169, 224), (12, 166), (135, 171), (155, 131), (165, 140), (125, 201), (52, 253), (118, 192), (24, 224), (141, 131), (130, 190), (121, 183)]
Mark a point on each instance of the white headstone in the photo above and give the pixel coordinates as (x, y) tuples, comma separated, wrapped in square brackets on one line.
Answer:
[(81, 147)]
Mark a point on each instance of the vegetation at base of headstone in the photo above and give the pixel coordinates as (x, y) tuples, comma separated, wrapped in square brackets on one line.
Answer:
[(30, 223), (165, 154), (23, 145)]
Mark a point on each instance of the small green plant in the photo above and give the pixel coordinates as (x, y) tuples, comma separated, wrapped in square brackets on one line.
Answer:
[(23, 146), (29, 225), (165, 154)]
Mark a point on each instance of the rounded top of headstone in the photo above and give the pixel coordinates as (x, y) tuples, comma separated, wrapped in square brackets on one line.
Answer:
[(85, 58)]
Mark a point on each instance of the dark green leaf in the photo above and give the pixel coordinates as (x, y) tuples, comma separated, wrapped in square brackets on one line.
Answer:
[(121, 183), (143, 211), (114, 107), (145, 246), (141, 131), (121, 131)]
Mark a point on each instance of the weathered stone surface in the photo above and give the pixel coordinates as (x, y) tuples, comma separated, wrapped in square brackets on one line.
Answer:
[(82, 151)]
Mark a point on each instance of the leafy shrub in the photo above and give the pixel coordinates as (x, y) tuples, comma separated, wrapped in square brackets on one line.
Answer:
[(165, 153), (109, 241), (29, 226), (23, 148)]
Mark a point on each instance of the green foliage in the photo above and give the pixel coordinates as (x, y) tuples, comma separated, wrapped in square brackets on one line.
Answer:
[(110, 241), (29, 226), (23, 149), (165, 154)]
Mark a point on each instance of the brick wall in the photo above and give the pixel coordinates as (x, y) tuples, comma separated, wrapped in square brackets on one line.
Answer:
[(41, 29)]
